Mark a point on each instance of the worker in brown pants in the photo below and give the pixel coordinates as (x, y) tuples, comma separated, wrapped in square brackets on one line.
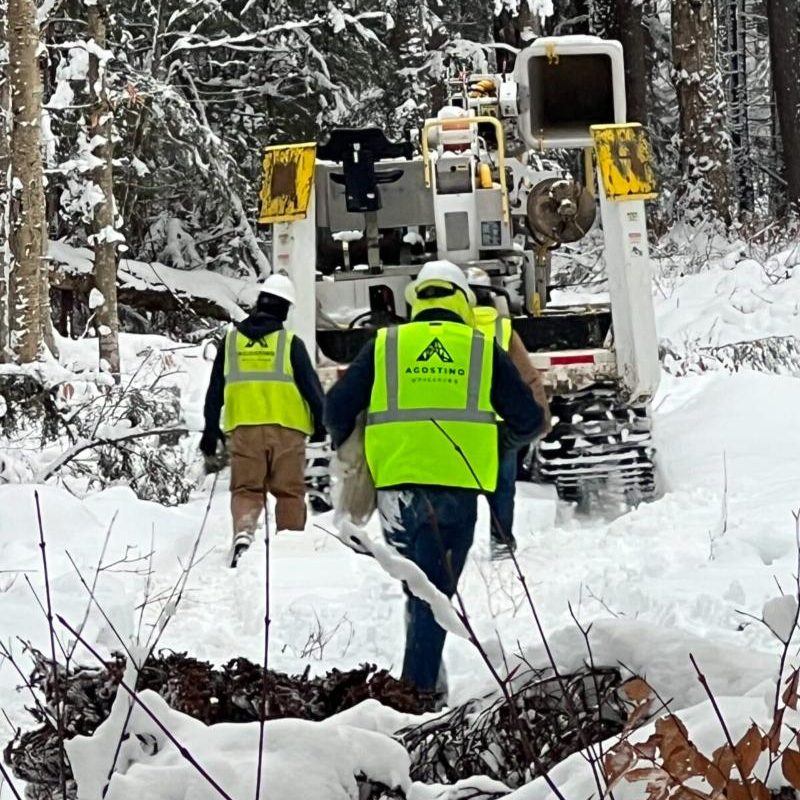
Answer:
[(273, 400)]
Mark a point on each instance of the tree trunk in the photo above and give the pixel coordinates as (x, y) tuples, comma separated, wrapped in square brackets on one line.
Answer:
[(5, 160), (27, 234), (623, 20), (784, 39), (103, 231), (632, 35), (706, 158)]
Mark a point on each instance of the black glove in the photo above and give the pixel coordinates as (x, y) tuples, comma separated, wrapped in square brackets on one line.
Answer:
[(210, 440)]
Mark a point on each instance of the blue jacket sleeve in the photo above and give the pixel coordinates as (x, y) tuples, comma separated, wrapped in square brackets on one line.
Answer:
[(307, 380), (350, 396), (513, 401), (215, 394)]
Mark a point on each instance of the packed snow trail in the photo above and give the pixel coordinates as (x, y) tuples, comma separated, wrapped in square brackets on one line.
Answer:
[(678, 575), (685, 561)]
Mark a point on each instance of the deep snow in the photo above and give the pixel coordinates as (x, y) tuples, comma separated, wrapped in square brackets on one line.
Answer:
[(676, 576)]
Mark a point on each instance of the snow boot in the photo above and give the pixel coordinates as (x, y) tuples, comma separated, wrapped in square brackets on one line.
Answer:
[(241, 544), (502, 549)]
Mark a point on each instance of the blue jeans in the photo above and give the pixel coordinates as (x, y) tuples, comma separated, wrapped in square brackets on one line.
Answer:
[(434, 527), (501, 502)]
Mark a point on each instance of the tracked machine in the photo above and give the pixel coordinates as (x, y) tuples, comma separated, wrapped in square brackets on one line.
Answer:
[(511, 169)]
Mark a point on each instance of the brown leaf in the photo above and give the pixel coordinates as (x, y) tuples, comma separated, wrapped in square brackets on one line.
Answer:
[(673, 734), (790, 696), (790, 764), (719, 772), (646, 774), (686, 762), (736, 790), (773, 738), (637, 690), (658, 790), (760, 791), (617, 762), (648, 749), (685, 793), (748, 749), (638, 714), (749, 790)]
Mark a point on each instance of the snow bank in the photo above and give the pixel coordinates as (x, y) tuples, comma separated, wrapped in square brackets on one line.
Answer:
[(661, 655), (301, 760), (738, 299), (734, 435)]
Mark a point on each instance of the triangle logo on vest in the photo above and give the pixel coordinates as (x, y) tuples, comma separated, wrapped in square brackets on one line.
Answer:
[(436, 348)]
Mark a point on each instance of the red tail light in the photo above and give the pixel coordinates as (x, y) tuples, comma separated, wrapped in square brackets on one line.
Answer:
[(564, 361)]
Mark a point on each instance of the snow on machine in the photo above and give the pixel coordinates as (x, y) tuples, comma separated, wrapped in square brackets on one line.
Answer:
[(355, 218)]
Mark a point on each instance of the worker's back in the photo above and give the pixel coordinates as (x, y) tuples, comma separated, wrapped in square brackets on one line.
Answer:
[(430, 419)]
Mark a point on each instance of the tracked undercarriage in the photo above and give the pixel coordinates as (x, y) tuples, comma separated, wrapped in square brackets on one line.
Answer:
[(597, 443)]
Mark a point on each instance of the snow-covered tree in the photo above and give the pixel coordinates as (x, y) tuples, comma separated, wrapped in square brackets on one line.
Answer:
[(104, 233), (5, 156), (706, 153), (29, 308)]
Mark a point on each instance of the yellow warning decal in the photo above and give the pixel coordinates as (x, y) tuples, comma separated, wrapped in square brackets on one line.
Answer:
[(287, 182), (625, 161)]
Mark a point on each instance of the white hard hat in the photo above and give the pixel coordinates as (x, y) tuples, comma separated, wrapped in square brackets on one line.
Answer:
[(445, 271), (477, 276), (279, 286)]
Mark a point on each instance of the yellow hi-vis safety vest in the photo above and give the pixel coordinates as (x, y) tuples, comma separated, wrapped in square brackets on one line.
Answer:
[(431, 403), (259, 383), (490, 324)]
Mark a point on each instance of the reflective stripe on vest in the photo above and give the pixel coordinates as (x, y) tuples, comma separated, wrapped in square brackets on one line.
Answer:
[(472, 413), (502, 332), (430, 419), (234, 372), (262, 396), (489, 323)]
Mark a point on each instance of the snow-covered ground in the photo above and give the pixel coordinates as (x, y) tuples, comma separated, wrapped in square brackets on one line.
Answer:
[(686, 573)]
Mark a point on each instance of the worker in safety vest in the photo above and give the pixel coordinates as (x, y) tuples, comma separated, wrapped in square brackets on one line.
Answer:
[(432, 388), (489, 321), (272, 400)]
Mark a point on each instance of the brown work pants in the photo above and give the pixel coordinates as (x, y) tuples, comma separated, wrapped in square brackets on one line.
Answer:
[(267, 458)]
